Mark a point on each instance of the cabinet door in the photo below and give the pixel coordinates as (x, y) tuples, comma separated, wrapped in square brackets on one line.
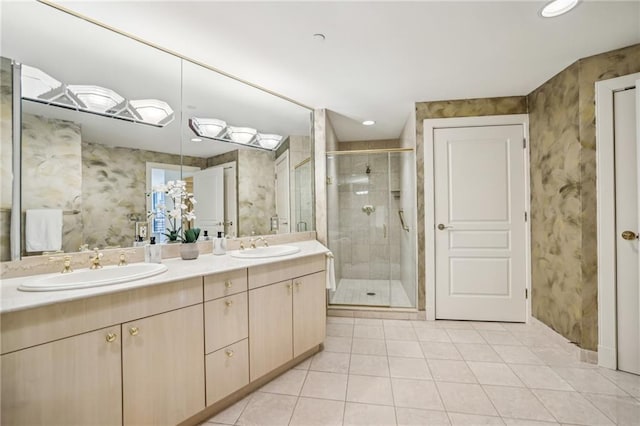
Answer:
[(227, 371), (225, 321), (73, 381), (309, 312), (270, 328), (163, 367)]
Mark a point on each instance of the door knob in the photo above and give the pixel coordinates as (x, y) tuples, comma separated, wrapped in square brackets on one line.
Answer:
[(629, 235), (442, 227)]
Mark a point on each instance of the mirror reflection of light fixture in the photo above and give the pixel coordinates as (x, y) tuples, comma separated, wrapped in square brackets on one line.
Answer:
[(269, 141), (208, 127), (243, 135), (38, 86)]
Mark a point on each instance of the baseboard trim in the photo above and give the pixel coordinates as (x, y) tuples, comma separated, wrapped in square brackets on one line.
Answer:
[(607, 357)]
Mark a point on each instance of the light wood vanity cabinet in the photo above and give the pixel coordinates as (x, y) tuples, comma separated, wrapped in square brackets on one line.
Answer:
[(72, 381), (286, 318)]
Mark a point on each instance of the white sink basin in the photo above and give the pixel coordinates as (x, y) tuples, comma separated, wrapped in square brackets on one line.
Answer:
[(85, 278), (261, 252)]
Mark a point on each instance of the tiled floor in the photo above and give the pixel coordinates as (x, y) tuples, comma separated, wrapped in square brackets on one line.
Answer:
[(393, 372), (357, 292)]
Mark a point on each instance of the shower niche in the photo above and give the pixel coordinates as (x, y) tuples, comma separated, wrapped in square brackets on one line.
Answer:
[(371, 216)]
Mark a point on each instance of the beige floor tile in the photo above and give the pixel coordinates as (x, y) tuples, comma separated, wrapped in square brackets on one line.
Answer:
[(440, 350), (368, 415), (422, 324), (337, 344), (368, 332), (369, 365), (368, 321), (400, 333), (317, 412), (621, 410), (289, 383), (540, 377), (340, 320), (421, 394), (325, 385), (495, 326), (517, 403), (499, 337), (517, 355), (276, 408), (478, 352), (229, 416), (451, 371), (465, 398), (523, 422), (465, 336), (397, 323), (403, 348), (369, 390), (459, 325), (331, 362), (304, 365), (589, 380), (369, 347), (340, 330), (555, 356), (627, 381), (409, 368), (571, 407), (493, 373), (460, 419), (433, 335), (415, 417), (535, 339)]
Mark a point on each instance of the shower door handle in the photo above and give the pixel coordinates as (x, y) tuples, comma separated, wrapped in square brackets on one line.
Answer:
[(384, 230), (401, 214)]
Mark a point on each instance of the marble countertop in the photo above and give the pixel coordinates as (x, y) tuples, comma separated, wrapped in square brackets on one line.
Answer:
[(12, 299)]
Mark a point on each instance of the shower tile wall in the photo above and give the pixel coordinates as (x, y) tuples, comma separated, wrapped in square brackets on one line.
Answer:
[(365, 249)]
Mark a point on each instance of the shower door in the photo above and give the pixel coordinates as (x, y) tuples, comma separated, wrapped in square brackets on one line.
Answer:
[(359, 229)]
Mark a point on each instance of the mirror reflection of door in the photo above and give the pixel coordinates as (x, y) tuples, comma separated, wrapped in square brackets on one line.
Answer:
[(282, 193), (208, 190), (230, 200)]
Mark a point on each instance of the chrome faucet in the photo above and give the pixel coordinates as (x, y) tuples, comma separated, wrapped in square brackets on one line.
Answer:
[(95, 259)]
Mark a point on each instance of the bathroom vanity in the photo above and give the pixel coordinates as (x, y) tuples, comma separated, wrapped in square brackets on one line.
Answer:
[(173, 348)]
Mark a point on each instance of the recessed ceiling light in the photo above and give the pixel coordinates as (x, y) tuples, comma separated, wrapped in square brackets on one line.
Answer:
[(196, 140), (558, 7), (368, 123)]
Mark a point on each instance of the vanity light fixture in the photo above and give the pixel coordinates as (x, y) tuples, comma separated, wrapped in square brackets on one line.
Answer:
[(37, 84), (368, 123), (153, 111), (96, 98), (215, 129), (269, 141), (243, 135), (558, 7), (208, 127)]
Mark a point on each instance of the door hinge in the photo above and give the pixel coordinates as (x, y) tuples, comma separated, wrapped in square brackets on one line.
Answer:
[(525, 216), (524, 143), (526, 293)]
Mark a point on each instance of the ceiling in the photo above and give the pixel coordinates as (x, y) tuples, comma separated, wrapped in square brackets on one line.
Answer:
[(378, 58)]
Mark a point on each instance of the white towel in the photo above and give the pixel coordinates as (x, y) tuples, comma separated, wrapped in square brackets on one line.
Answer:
[(43, 230), (331, 273)]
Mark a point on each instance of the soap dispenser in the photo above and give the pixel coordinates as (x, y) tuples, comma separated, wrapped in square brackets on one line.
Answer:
[(152, 252), (219, 244)]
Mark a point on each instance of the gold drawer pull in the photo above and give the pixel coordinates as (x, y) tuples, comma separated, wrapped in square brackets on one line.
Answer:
[(228, 302), (134, 331), (229, 353), (298, 283), (111, 337), (228, 284), (289, 286)]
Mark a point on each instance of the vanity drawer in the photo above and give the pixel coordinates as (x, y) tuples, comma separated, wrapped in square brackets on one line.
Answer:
[(226, 321), (227, 370), (281, 271), (225, 284)]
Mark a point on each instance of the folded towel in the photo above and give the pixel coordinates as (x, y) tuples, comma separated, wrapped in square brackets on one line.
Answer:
[(331, 274), (43, 230)]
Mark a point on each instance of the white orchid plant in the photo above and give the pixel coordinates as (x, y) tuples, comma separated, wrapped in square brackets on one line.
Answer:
[(182, 211)]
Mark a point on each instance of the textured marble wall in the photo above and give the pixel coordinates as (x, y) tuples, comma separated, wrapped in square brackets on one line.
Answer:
[(449, 109), (52, 172), (114, 184), (6, 135), (300, 184), (256, 192), (556, 254)]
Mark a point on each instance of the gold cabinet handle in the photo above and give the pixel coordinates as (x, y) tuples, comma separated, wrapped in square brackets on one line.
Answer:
[(134, 331), (229, 302), (111, 337), (228, 284), (289, 286), (229, 353), (629, 235)]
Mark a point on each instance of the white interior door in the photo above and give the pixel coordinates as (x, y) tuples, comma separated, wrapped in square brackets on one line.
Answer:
[(627, 265), (283, 208), (230, 200), (208, 189), (480, 236)]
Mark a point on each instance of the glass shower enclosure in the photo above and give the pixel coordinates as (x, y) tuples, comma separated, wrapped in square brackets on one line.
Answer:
[(371, 217)]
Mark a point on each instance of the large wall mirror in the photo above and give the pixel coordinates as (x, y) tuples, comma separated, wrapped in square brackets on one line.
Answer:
[(104, 119)]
